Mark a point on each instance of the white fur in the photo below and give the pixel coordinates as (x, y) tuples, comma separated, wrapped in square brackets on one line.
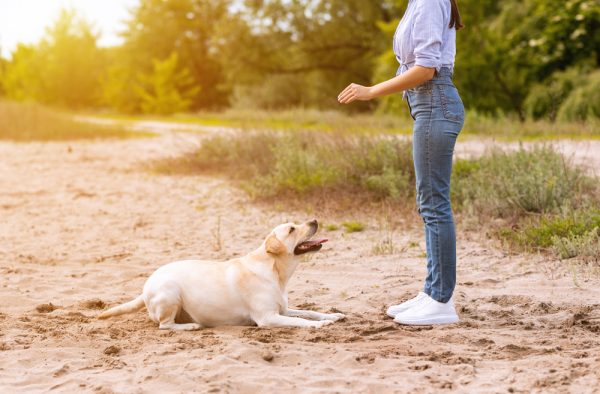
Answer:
[(244, 291)]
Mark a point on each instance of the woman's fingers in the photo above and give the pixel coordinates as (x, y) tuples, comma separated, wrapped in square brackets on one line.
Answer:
[(348, 98), (344, 97), (348, 95), (345, 91), (354, 92)]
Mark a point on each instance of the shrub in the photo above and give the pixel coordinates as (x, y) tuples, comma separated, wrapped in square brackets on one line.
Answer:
[(584, 102), (504, 184), (585, 246), (534, 233), (271, 163), (545, 99)]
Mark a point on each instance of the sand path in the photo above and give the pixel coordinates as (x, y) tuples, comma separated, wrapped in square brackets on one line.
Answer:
[(83, 224)]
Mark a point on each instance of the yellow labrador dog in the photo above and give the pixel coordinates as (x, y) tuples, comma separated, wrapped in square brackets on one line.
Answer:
[(189, 295)]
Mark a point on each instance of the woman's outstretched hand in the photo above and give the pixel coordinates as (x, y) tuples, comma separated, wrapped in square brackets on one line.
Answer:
[(355, 92)]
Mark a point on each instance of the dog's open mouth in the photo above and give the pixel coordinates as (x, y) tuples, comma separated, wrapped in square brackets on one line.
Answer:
[(309, 246)]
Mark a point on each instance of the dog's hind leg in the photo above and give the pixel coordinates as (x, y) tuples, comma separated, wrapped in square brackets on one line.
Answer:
[(164, 308)]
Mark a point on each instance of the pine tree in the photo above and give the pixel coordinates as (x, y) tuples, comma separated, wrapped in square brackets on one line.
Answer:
[(166, 90)]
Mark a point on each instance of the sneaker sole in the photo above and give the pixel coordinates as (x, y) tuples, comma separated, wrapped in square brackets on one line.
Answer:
[(407, 307), (393, 315), (444, 319)]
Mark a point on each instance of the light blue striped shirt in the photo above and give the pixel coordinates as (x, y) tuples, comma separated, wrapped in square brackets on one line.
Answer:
[(424, 38)]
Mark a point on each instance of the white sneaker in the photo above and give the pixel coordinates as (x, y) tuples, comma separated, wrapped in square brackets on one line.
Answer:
[(396, 309), (428, 312)]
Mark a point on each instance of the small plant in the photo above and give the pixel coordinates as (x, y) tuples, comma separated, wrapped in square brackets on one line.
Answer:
[(353, 227), (586, 246), (331, 227), (217, 238), (413, 244), (384, 247)]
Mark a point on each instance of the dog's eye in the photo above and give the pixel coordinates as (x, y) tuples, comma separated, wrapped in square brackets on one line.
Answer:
[(292, 229)]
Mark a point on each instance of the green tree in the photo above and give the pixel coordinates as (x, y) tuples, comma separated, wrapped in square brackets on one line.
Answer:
[(320, 45), (507, 47), (166, 90), (63, 69), (120, 83), (21, 79), (159, 27)]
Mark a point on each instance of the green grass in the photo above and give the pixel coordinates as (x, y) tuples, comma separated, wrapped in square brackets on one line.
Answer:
[(32, 122), (570, 233), (535, 181), (476, 125), (353, 227), (267, 164)]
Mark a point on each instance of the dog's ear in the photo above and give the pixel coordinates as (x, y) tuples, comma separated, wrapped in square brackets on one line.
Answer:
[(274, 246)]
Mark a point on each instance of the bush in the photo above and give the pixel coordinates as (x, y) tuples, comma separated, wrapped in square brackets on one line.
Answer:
[(534, 233), (545, 99), (504, 184), (271, 163), (585, 246), (584, 102)]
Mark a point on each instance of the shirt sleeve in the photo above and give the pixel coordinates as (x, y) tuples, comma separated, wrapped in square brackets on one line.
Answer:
[(427, 33)]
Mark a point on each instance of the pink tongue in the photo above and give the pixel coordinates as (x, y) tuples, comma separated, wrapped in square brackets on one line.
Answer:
[(317, 241)]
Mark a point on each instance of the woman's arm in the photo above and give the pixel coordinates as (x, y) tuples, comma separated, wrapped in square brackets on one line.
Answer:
[(413, 77)]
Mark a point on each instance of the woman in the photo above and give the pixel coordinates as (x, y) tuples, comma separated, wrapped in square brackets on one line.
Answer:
[(425, 46)]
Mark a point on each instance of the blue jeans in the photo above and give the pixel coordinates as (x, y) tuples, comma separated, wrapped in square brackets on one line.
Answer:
[(439, 116)]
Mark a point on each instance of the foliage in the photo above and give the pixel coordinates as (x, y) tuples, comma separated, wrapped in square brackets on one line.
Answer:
[(520, 58), (545, 99), (583, 104), (317, 46), (585, 246), (63, 69), (542, 232), (157, 28), (296, 162), (166, 90), (353, 227), (504, 184)]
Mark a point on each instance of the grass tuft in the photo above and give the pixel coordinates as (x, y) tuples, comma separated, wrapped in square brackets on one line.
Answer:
[(353, 227)]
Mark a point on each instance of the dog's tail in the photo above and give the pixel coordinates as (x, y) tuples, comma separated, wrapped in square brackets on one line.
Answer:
[(128, 307)]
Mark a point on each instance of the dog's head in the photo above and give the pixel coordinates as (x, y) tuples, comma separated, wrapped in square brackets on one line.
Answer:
[(294, 239)]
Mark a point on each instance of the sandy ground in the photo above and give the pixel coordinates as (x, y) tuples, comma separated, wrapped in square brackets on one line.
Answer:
[(83, 224)]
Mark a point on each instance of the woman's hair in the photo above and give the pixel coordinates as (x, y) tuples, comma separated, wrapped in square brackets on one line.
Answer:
[(455, 19)]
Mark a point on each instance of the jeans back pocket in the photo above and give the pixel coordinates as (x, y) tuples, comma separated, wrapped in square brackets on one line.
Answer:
[(452, 105)]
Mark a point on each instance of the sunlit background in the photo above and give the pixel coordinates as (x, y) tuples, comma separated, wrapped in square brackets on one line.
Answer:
[(524, 60), (25, 21)]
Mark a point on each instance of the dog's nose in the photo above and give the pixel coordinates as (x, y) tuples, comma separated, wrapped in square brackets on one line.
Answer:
[(314, 223)]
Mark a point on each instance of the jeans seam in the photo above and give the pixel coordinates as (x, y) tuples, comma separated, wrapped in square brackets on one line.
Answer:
[(436, 248)]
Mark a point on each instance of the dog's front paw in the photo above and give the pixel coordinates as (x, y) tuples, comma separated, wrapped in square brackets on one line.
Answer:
[(324, 323), (336, 316)]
